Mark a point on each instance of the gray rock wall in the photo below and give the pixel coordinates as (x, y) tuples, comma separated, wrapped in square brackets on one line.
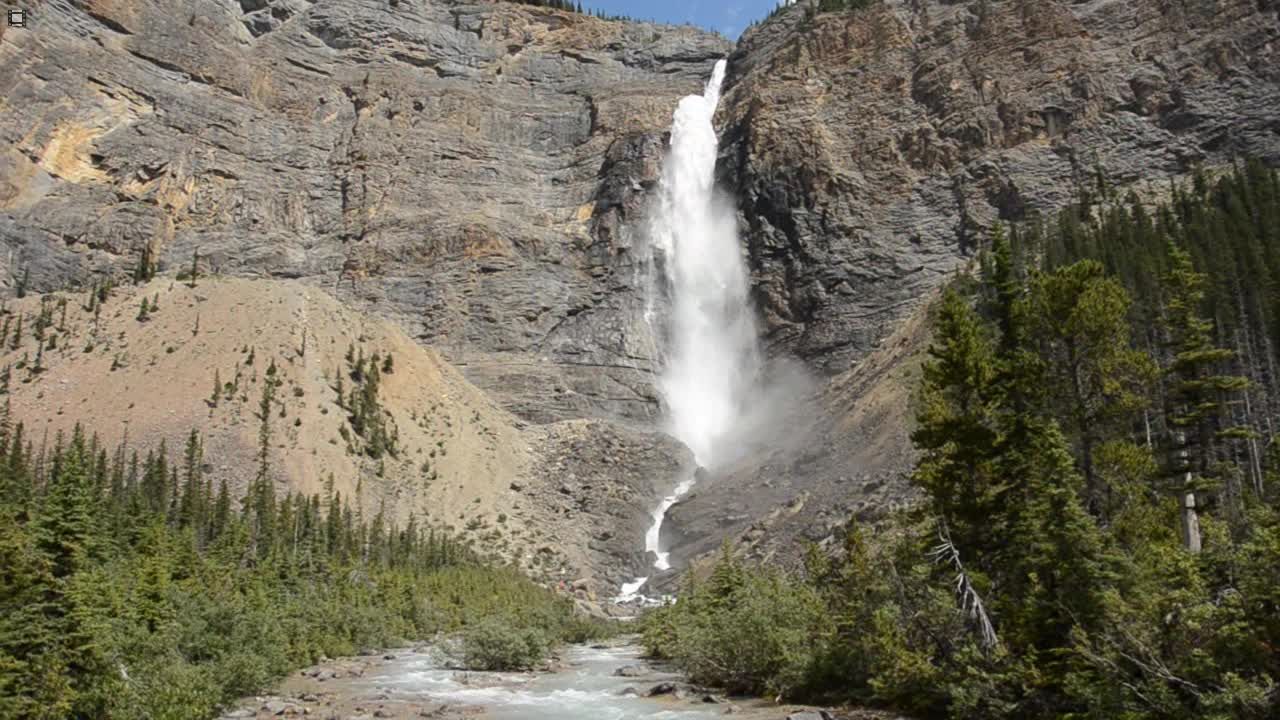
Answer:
[(870, 150), (474, 171)]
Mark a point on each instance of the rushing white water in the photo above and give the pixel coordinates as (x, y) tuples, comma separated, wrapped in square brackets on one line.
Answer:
[(587, 689), (711, 358)]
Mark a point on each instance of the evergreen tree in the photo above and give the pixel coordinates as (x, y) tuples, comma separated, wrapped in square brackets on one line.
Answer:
[(34, 677), (221, 517), (1078, 321), (260, 503), (957, 426), (1199, 391), (192, 504)]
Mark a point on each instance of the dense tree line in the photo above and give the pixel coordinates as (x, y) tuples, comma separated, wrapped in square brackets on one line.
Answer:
[(1229, 229), (1099, 528), (577, 7), (132, 587), (813, 7)]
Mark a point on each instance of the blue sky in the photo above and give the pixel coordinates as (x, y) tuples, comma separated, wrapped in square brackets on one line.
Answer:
[(730, 17)]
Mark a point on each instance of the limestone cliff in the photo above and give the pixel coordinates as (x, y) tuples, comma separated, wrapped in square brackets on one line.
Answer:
[(471, 171)]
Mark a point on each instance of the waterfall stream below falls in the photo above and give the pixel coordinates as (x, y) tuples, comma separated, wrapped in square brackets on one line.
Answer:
[(707, 340), (599, 682)]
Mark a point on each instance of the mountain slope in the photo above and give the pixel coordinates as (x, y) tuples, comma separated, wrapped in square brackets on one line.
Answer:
[(478, 174), (456, 459)]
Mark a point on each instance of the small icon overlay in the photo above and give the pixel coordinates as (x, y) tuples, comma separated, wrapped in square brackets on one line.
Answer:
[(17, 18)]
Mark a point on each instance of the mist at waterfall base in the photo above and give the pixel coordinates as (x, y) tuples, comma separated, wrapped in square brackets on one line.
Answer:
[(721, 399)]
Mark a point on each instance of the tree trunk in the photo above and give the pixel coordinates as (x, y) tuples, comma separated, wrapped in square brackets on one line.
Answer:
[(1190, 521)]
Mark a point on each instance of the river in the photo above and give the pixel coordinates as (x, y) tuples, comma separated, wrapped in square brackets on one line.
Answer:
[(418, 684)]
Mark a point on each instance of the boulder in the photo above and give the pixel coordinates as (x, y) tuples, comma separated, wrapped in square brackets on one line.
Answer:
[(662, 688)]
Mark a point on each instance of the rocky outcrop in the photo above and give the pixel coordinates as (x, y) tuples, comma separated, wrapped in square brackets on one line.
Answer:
[(473, 171), (870, 149)]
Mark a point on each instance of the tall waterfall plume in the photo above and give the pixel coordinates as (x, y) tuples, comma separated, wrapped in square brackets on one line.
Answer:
[(711, 363), (711, 359)]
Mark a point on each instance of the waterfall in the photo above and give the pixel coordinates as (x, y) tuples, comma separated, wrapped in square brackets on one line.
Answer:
[(711, 361)]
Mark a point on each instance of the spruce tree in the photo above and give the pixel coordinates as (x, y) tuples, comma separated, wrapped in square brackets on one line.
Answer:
[(957, 427), (34, 677), (260, 502), (191, 505), (1078, 322), (221, 516), (1199, 392)]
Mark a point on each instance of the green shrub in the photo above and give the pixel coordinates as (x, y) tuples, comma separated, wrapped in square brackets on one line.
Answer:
[(746, 630), (501, 644)]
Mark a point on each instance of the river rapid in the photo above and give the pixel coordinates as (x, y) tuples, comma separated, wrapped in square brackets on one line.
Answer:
[(584, 685)]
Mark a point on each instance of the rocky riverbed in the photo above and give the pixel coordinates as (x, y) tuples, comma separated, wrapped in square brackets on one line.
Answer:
[(586, 682)]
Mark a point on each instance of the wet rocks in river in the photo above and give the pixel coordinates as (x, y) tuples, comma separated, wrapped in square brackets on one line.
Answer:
[(630, 671), (662, 688)]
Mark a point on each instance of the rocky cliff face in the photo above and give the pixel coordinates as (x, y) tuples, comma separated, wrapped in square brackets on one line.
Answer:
[(478, 173), (869, 150), (472, 171)]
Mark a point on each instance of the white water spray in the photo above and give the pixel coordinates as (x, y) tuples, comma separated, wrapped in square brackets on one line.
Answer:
[(711, 359)]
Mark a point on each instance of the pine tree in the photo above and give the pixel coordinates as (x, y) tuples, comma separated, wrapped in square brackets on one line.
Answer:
[(957, 425), (1078, 322), (1199, 391)]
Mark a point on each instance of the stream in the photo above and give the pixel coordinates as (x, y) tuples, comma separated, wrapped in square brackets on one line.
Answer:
[(587, 689), (418, 684)]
